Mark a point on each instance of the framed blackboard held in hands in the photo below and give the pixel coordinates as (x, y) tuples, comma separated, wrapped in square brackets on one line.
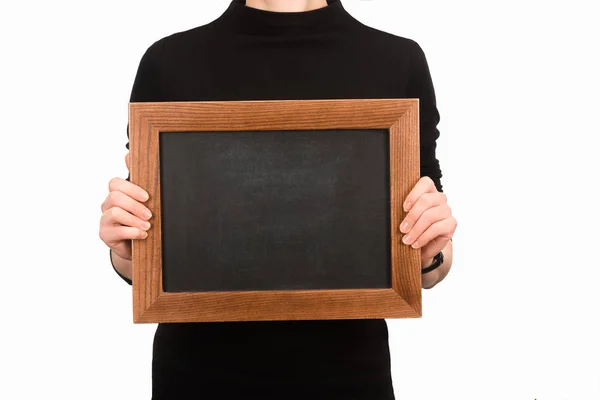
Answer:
[(275, 210)]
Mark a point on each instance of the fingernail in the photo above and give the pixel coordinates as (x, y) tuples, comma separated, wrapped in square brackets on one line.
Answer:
[(404, 227), (145, 196), (145, 225), (406, 239), (147, 214), (416, 245), (407, 205)]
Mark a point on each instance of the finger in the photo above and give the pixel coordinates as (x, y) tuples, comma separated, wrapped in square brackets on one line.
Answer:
[(128, 161), (130, 189), (428, 218), (442, 230), (424, 185), (111, 235), (424, 202), (121, 200), (118, 216)]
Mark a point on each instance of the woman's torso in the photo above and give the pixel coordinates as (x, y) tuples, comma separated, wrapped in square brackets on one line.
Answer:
[(252, 55)]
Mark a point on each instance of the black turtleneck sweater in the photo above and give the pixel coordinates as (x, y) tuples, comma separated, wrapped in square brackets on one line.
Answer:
[(251, 54)]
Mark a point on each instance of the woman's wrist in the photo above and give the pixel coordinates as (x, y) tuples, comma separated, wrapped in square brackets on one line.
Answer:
[(435, 269), (121, 265), (427, 263), (431, 277)]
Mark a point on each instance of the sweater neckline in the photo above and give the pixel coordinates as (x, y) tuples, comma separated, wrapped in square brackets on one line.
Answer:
[(254, 21)]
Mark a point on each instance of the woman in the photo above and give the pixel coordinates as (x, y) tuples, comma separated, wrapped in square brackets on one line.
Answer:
[(275, 50)]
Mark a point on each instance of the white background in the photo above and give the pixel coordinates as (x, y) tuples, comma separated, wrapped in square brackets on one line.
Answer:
[(517, 85)]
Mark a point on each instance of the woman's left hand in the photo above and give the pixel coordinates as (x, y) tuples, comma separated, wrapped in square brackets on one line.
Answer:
[(429, 224)]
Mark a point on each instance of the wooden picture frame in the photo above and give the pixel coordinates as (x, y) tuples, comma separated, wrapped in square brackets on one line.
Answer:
[(147, 120)]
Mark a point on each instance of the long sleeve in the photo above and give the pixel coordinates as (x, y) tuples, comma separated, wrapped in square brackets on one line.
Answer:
[(146, 85), (421, 87), (146, 88)]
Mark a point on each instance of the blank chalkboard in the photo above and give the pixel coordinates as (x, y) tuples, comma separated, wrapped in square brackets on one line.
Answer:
[(275, 210)]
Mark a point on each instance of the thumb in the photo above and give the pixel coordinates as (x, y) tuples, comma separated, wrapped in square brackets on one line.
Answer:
[(128, 161)]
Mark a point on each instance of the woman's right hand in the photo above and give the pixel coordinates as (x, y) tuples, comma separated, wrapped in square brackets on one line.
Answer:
[(124, 216)]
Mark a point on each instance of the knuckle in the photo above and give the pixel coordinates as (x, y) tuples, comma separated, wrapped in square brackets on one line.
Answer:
[(105, 234), (113, 197), (429, 181), (427, 199), (447, 211), (114, 212), (451, 225), (112, 184)]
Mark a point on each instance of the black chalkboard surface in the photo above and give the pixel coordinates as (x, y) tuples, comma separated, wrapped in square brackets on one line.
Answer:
[(275, 210)]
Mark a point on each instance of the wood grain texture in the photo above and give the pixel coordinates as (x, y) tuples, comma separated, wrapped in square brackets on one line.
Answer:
[(147, 120), (404, 174), (277, 305)]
